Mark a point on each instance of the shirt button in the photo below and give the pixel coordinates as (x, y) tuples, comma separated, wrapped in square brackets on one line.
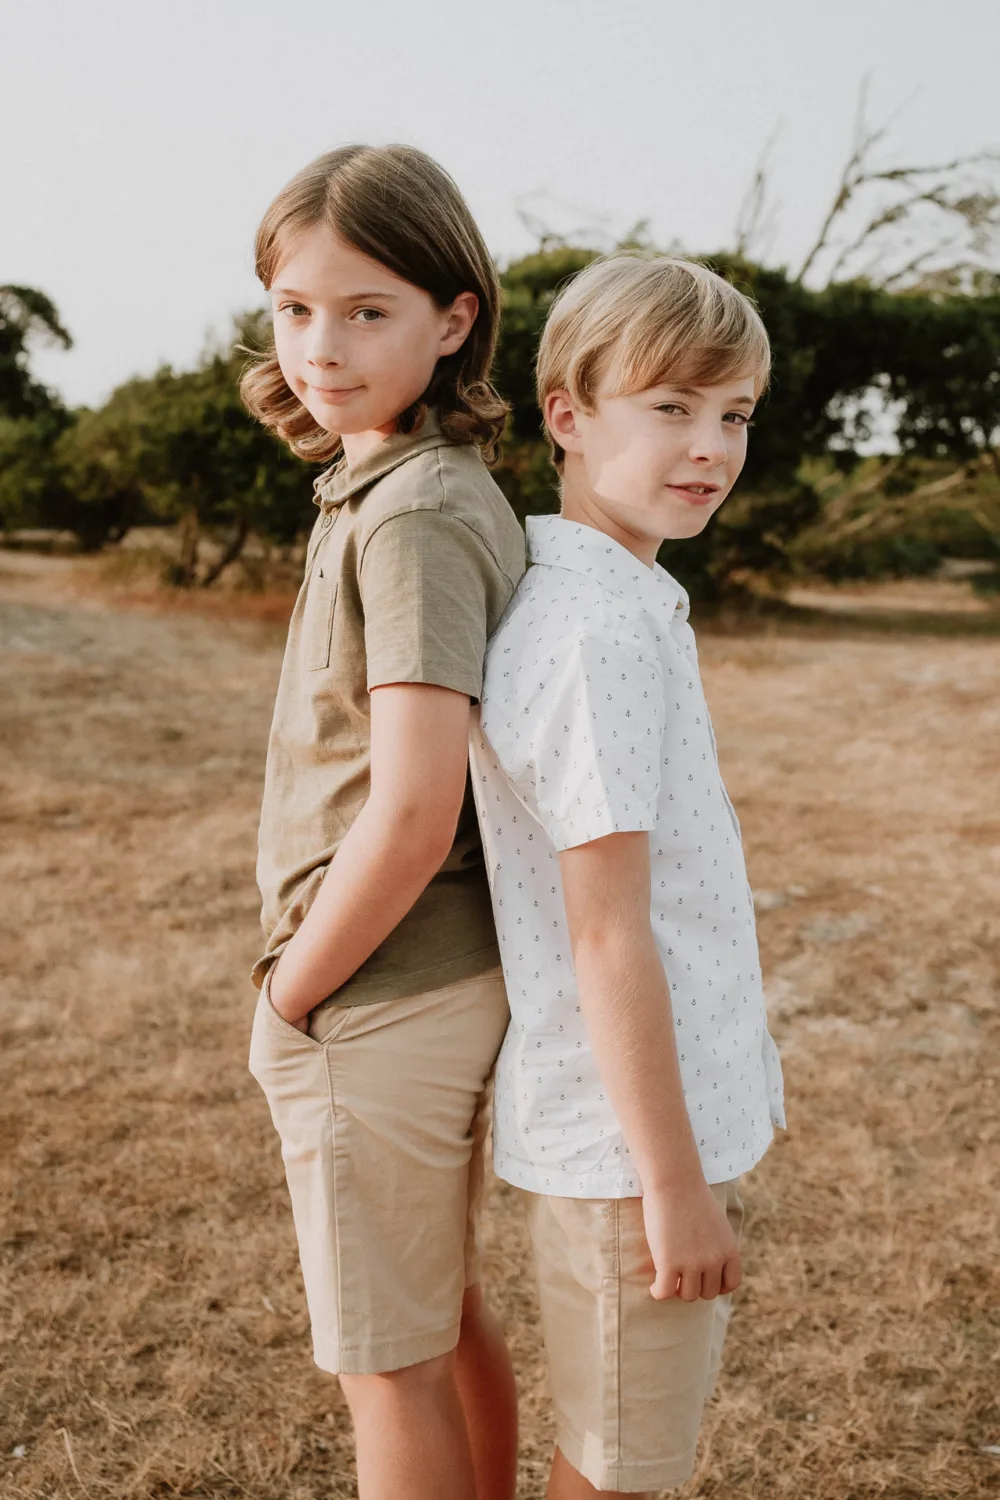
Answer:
[(326, 520)]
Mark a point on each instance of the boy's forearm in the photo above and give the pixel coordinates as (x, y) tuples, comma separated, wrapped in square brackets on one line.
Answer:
[(626, 1006), (385, 862)]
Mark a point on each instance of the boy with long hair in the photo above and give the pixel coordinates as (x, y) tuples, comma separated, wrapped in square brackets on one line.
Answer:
[(382, 1003)]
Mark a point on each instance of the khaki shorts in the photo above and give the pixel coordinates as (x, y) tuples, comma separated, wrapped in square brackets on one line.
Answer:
[(382, 1111), (629, 1375)]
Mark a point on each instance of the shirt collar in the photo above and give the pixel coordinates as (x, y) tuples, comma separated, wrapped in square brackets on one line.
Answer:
[(343, 480), (556, 543)]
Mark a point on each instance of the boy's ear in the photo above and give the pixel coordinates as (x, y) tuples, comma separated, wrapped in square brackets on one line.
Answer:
[(461, 316), (560, 418)]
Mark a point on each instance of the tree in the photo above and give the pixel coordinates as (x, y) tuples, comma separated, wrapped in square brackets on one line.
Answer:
[(929, 232), (32, 418), (26, 316), (74, 472), (32, 483), (185, 442), (178, 446)]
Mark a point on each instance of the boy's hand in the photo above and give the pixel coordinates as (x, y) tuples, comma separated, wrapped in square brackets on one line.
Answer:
[(693, 1248), (290, 1012), (301, 1023)]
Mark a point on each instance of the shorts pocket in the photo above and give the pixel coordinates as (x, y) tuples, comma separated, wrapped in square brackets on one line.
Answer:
[(326, 1022), (290, 1032), (317, 619), (276, 1045)]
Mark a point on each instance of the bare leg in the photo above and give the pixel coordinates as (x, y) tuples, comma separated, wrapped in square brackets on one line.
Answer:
[(566, 1484), (489, 1398), (410, 1431)]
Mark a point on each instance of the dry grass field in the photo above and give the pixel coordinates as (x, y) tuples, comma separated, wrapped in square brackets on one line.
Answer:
[(155, 1339)]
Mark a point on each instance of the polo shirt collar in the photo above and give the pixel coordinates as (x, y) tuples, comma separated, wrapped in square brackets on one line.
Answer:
[(556, 543), (342, 481)]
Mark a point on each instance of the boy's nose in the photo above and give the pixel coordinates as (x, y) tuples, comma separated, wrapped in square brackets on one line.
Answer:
[(322, 355), (708, 447), (323, 348)]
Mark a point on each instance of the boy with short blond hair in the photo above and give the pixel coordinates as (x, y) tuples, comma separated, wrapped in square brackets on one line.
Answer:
[(637, 1080)]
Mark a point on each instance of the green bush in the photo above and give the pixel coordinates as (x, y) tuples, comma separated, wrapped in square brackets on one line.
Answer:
[(180, 447)]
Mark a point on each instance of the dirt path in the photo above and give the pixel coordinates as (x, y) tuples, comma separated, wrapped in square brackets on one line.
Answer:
[(156, 1334)]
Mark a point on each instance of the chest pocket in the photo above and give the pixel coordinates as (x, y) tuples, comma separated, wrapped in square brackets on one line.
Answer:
[(317, 619)]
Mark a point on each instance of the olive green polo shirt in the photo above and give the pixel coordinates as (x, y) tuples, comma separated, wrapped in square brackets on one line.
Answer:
[(412, 560)]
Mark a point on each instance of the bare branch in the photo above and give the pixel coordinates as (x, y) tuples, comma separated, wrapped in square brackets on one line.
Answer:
[(949, 187), (950, 492), (755, 210), (540, 212), (977, 159), (842, 197), (852, 177), (894, 214), (910, 268)]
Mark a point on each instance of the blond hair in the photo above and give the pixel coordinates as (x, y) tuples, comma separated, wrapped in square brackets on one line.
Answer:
[(635, 321), (396, 205)]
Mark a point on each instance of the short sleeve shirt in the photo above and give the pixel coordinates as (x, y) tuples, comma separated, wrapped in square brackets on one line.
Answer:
[(593, 721), (414, 556)]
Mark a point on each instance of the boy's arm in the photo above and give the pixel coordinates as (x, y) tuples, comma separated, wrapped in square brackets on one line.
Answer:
[(397, 843), (626, 1006)]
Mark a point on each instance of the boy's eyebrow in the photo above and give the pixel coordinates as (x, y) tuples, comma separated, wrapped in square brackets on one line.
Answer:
[(359, 296), (287, 291), (689, 390)]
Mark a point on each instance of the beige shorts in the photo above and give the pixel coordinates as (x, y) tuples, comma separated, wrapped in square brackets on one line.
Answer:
[(382, 1112), (629, 1375)]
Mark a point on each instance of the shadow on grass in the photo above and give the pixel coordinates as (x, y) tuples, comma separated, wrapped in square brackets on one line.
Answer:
[(763, 616)]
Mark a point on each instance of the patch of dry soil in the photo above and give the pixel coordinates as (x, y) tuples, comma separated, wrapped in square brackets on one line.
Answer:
[(154, 1327)]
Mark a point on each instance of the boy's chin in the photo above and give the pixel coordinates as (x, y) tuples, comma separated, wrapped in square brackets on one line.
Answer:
[(683, 528), (353, 417), (375, 419)]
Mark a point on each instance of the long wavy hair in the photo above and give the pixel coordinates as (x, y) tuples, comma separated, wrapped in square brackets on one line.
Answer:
[(396, 205)]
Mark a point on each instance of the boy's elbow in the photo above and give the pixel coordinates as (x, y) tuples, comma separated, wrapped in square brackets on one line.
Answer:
[(422, 832), (606, 937), (435, 843)]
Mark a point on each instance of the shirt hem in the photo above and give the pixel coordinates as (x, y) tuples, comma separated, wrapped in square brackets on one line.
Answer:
[(594, 1184), (409, 674), (573, 834), (358, 991)]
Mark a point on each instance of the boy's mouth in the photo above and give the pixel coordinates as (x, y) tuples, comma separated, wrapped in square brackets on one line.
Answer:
[(333, 392), (697, 494)]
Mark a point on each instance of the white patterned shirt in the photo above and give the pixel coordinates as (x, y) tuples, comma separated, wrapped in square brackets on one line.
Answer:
[(593, 721)]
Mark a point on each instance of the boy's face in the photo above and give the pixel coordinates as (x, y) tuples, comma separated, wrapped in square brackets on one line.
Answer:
[(357, 344), (659, 463)]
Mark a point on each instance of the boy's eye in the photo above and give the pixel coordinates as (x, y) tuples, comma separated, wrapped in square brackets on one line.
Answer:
[(368, 314), (740, 418), (294, 309), (669, 406)]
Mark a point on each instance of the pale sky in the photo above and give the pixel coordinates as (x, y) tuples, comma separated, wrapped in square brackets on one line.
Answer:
[(142, 141)]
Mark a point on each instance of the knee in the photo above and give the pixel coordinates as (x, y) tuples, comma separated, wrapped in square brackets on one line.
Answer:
[(411, 1382)]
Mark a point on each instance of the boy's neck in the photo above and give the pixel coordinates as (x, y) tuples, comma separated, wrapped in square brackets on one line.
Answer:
[(359, 445), (581, 504)]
